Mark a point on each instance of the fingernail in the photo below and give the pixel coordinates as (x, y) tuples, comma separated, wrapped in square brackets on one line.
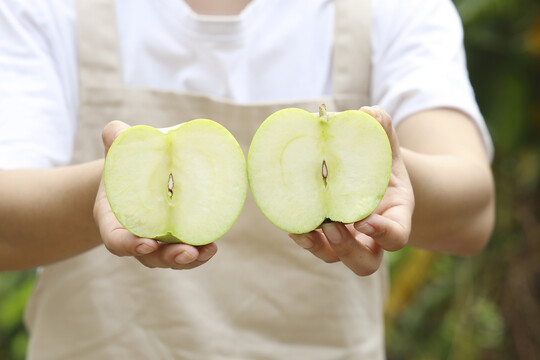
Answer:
[(205, 254), (368, 109), (183, 258), (144, 249), (303, 240), (365, 228), (332, 233)]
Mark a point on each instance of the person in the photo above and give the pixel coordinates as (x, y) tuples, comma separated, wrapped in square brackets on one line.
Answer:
[(68, 68)]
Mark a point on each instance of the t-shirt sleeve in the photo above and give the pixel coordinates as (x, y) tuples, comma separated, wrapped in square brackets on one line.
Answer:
[(37, 115), (419, 61)]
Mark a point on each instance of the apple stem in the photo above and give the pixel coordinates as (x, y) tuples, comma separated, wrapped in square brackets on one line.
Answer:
[(322, 112), (170, 185)]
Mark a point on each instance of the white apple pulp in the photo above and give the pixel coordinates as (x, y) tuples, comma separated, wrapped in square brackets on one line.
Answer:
[(187, 184), (304, 169)]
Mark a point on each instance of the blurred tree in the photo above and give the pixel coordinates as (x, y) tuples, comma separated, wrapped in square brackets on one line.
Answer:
[(488, 306), (15, 288)]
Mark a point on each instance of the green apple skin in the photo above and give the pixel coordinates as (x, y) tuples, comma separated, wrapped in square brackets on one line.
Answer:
[(304, 169), (184, 184)]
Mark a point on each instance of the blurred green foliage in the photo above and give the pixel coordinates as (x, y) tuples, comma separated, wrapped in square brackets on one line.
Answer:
[(487, 306), (444, 307), (15, 288)]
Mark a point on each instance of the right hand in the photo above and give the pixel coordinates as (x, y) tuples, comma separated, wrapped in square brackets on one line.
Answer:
[(360, 245), (151, 253)]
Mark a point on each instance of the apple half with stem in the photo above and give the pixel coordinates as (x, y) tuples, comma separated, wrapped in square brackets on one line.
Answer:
[(182, 184), (305, 169)]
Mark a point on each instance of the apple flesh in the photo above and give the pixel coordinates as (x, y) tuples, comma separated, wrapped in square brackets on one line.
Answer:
[(183, 184), (304, 169)]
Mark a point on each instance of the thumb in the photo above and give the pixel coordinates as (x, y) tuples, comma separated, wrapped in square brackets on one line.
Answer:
[(386, 121), (111, 132)]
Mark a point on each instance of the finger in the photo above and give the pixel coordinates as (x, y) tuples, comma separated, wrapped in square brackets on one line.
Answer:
[(380, 115), (206, 252), (111, 132), (171, 256), (390, 231), (179, 256), (121, 242), (386, 121), (358, 252), (316, 243)]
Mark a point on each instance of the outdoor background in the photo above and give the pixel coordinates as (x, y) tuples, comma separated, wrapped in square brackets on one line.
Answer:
[(444, 307)]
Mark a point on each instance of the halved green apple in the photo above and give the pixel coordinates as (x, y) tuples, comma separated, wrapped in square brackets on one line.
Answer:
[(304, 169), (182, 184)]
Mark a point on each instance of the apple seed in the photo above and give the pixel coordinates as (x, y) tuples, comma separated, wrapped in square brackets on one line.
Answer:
[(324, 171), (170, 185)]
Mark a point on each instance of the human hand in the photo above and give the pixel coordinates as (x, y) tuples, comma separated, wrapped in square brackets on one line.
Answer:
[(149, 252), (360, 245)]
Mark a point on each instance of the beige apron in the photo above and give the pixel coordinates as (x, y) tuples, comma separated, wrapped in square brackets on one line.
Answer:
[(261, 296)]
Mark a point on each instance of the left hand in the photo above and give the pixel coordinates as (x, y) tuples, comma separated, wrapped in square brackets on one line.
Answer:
[(149, 252), (360, 245)]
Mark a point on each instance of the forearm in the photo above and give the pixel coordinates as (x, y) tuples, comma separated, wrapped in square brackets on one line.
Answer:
[(452, 182), (46, 214), (454, 202)]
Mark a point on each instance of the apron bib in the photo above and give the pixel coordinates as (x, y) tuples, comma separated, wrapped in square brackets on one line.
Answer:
[(261, 296)]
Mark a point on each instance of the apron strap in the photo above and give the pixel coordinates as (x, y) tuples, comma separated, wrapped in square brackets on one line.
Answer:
[(99, 52), (101, 63), (352, 50)]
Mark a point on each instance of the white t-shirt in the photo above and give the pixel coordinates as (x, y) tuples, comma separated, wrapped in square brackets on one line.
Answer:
[(418, 62)]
